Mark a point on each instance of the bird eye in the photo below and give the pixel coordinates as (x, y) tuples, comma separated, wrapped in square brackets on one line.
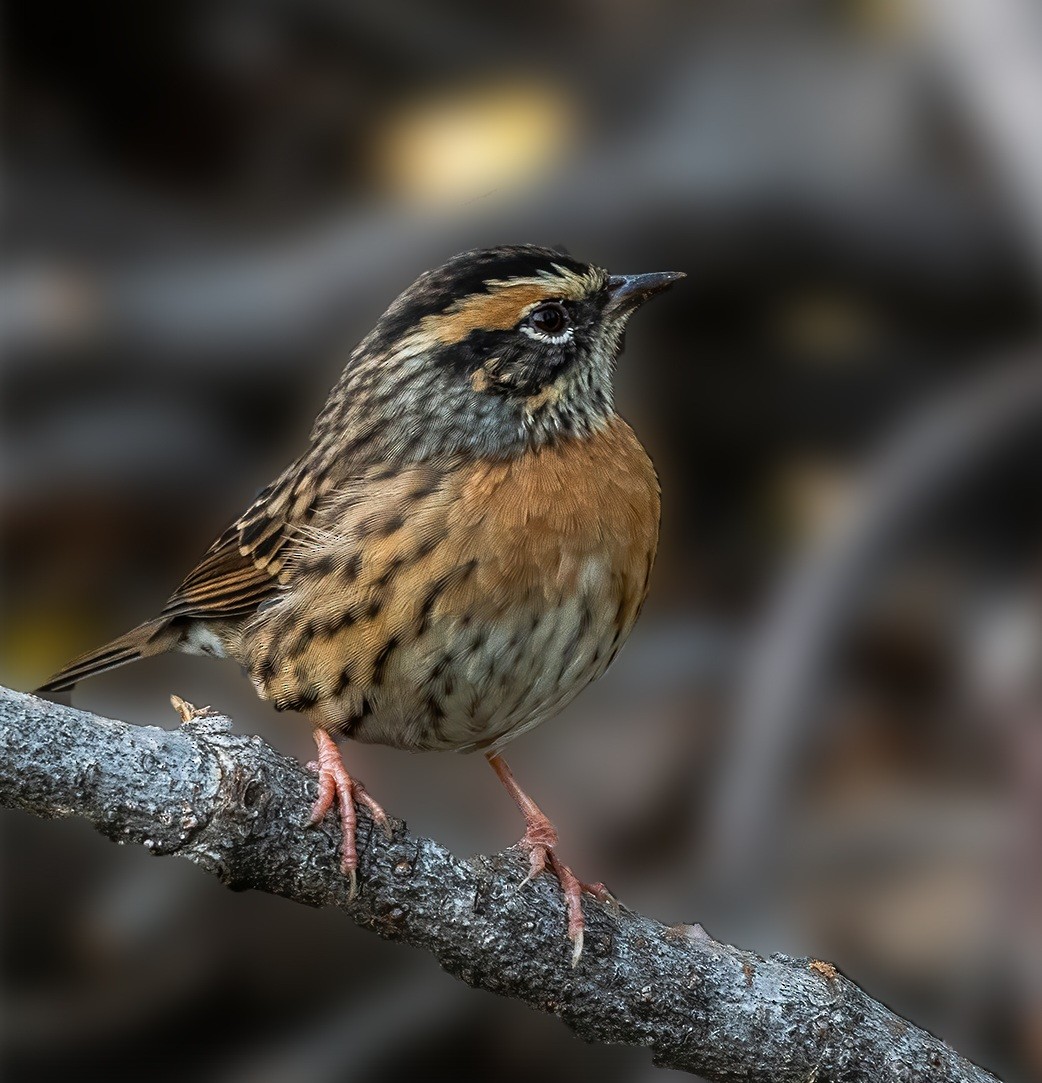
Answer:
[(549, 319)]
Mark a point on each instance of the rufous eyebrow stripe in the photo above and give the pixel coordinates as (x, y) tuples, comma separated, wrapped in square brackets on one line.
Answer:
[(508, 302), (499, 310)]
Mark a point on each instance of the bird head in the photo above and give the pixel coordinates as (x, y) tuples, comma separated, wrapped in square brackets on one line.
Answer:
[(497, 351)]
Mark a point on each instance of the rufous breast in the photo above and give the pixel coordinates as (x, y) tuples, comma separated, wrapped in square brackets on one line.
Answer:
[(455, 609)]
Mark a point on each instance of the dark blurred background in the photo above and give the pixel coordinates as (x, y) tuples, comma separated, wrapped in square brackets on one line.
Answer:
[(824, 736)]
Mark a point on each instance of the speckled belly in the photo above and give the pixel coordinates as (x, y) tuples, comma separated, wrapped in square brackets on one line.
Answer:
[(474, 683)]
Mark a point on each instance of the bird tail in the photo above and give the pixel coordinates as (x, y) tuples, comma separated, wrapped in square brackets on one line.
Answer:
[(152, 637)]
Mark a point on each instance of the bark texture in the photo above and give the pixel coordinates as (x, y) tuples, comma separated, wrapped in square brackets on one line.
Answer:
[(238, 808)]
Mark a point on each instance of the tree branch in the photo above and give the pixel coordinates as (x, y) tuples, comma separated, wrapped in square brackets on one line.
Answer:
[(238, 808)]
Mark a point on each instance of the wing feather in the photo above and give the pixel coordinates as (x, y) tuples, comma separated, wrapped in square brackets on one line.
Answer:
[(241, 570)]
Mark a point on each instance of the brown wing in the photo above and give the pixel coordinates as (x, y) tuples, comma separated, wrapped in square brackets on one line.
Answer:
[(241, 569), (239, 573)]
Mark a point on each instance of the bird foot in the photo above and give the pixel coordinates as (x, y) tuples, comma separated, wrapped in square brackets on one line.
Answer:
[(336, 785), (540, 843)]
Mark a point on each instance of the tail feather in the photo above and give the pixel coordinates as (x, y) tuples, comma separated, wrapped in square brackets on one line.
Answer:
[(141, 642)]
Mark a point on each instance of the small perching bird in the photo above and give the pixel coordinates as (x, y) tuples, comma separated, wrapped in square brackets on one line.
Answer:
[(462, 548)]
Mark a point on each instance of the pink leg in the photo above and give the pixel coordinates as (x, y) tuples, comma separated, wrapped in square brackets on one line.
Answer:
[(335, 784), (540, 842)]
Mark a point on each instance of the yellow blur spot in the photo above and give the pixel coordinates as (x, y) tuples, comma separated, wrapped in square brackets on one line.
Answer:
[(468, 144), (826, 327), (812, 495), (884, 20), (33, 645)]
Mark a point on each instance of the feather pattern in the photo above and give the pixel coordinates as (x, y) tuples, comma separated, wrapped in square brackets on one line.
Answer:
[(410, 616)]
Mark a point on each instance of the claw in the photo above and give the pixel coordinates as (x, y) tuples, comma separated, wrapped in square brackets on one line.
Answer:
[(540, 842), (602, 895), (577, 947), (375, 809), (335, 785)]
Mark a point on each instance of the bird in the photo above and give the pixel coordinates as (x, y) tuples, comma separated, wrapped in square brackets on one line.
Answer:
[(464, 545)]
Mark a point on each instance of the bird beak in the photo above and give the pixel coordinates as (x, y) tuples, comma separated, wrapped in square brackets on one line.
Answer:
[(626, 292)]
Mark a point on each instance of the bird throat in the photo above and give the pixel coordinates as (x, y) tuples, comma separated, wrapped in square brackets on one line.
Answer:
[(403, 409)]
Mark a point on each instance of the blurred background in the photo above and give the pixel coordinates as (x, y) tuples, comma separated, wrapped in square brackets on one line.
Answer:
[(824, 736)]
